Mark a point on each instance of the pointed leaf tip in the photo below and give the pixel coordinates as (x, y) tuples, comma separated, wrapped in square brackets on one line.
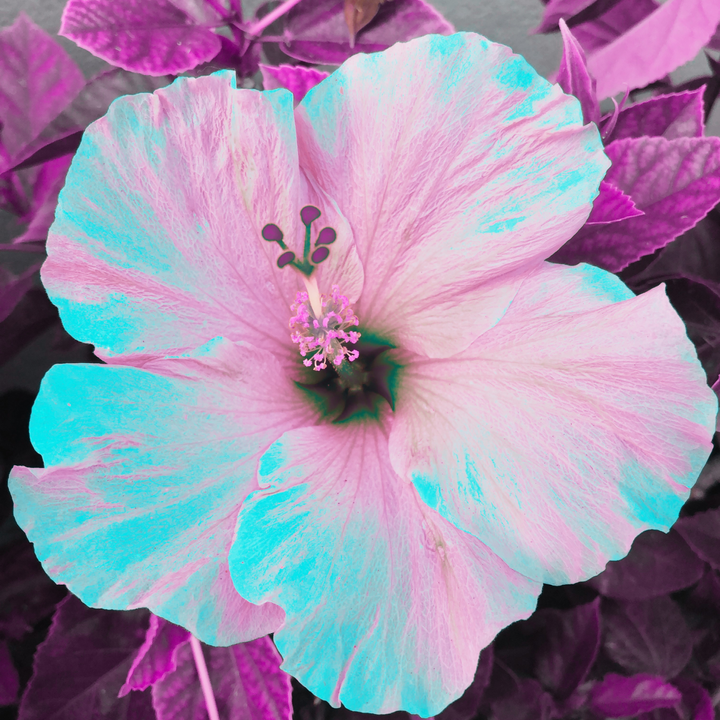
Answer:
[(574, 78)]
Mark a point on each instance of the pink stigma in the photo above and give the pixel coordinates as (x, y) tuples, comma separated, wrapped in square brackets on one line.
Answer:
[(322, 331)]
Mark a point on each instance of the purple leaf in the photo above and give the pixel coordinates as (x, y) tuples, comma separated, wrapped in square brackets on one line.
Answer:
[(567, 647), (295, 78), (647, 636), (696, 702), (603, 29), (91, 103), (157, 656), (467, 705), (611, 205), (657, 564), (574, 78), (702, 533), (666, 39), (674, 182), (48, 183), (9, 680), (695, 256), (37, 81), (246, 679), (617, 696), (668, 116), (82, 663), (528, 701), (153, 37), (316, 32)]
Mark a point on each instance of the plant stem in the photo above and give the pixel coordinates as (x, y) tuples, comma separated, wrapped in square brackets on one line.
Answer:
[(204, 678), (271, 17)]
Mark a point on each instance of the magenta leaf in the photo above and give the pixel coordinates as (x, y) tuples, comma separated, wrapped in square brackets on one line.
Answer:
[(611, 205), (647, 636), (608, 26), (702, 533), (617, 696), (9, 680), (567, 643), (82, 663), (669, 37), (49, 180), (295, 78), (674, 182), (153, 37), (157, 656), (574, 78), (91, 103), (316, 32), (246, 679), (657, 564), (668, 116), (37, 81), (467, 705)]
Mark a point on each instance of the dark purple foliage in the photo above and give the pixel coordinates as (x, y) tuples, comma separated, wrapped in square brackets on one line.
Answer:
[(568, 642), (702, 533), (658, 564), (9, 680), (674, 182), (82, 664), (157, 656), (27, 594), (154, 37), (668, 116), (466, 706), (316, 31), (246, 679), (617, 696), (647, 636)]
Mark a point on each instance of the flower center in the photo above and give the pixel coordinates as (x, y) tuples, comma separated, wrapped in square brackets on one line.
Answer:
[(321, 327)]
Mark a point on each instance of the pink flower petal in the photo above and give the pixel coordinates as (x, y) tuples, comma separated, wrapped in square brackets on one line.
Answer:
[(144, 472), (387, 604), (667, 38), (459, 169), (156, 246), (573, 425)]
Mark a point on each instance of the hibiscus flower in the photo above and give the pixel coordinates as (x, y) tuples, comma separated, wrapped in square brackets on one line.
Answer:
[(346, 399)]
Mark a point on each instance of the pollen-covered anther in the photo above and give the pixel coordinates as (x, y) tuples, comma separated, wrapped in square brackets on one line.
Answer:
[(322, 329)]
